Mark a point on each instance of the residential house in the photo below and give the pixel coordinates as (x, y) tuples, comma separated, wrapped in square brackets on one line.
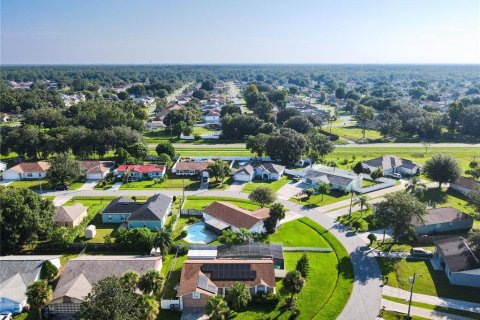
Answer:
[(444, 219), (465, 185), (27, 170), (16, 274), (337, 179), (3, 166), (151, 213), (141, 171), (265, 171), (189, 167), (459, 262), (83, 272), (220, 216), (202, 279), (212, 117), (392, 164), (70, 216), (97, 170)]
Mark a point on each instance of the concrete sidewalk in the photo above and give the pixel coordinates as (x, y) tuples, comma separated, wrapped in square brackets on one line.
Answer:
[(416, 311), (433, 300)]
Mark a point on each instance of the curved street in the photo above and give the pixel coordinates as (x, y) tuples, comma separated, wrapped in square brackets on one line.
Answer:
[(365, 300)]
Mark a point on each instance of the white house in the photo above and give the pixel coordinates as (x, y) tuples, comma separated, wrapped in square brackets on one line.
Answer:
[(189, 167), (392, 164), (16, 274), (212, 117), (97, 170), (27, 170), (220, 216), (265, 171), (337, 179), (459, 262)]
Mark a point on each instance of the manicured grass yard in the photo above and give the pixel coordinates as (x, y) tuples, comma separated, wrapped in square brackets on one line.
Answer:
[(95, 206), (431, 282), (392, 315), (44, 184), (172, 182), (352, 132), (274, 185), (330, 271), (200, 202), (316, 199)]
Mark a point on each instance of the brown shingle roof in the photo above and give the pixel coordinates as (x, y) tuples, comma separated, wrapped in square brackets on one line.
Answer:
[(40, 166), (265, 274), (191, 165), (70, 213), (232, 214), (97, 166)]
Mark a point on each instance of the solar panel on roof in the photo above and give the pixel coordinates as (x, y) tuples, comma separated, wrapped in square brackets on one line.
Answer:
[(230, 271)]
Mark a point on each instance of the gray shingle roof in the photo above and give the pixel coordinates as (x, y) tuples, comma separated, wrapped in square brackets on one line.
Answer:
[(16, 276), (442, 215), (330, 178), (154, 209), (82, 273), (388, 162), (457, 254)]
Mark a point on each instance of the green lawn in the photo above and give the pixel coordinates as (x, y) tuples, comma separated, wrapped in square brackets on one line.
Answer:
[(431, 282), (213, 184), (330, 271), (316, 200), (273, 184), (169, 289), (43, 183), (95, 206), (364, 220), (200, 202), (352, 132), (172, 182), (392, 315), (189, 150), (458, 312)]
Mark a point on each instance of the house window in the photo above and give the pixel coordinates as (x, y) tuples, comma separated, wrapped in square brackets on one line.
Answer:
[(195, 295), (109, 217), (29, 174), (39, 174), (260, 289)]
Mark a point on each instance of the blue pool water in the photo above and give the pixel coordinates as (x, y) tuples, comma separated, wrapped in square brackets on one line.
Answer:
[(197, 233)]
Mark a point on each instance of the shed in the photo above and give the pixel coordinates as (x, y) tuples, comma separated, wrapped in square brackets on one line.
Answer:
[(90, 232)]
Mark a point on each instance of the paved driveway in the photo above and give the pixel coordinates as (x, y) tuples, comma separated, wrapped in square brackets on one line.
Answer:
[(236, 186), (290, 189), (193, 314), (89, 185)]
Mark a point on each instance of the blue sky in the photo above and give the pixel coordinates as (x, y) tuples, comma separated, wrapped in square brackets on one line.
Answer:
[(246, 31)]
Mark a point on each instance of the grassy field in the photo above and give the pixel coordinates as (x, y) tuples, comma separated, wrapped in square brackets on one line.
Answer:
[(392, 315), (354, 133), (172, 182), (190, 150), (200, 202), (430, 282), (316, 200), (95, 206), (274, 185), (35, 185), (330, 271)]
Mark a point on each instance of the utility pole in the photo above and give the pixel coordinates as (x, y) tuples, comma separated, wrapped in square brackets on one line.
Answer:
[(412, 281), (183, 189)]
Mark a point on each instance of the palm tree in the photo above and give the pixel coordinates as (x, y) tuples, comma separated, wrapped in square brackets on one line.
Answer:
[(323, 188), (130, 279), (245, 234), (150, 307), (415, 185), (362, 201), (151, 282), (277, 211), (293, 283), (228, 237), (238, 296), (163, 240), (217, 308), (39, 295)]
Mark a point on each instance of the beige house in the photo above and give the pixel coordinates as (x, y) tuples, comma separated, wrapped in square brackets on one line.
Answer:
[(70, 216), (27, 170)]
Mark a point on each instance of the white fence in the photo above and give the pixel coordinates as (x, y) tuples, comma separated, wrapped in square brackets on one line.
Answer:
[(385, 183), (210, 135)]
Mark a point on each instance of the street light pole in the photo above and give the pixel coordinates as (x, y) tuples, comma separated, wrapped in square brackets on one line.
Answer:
[(412, 280)]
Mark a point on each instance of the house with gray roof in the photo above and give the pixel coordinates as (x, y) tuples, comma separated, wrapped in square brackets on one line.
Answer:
[(82, 273), (465, 185), (16, 274), (392, 164), (151, 214), (70, 216), (337, 179), (458, 260), (445, 219), (262, 170)]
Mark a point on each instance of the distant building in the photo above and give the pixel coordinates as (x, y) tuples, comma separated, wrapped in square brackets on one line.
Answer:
[(212, 117), (265, 171), (392, 164), (464, 185), (337, 179), (141, 171), (459, 262), (189, 167), (97, 170)]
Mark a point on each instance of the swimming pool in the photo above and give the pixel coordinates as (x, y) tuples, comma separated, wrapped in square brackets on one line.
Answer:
[(198, 233)]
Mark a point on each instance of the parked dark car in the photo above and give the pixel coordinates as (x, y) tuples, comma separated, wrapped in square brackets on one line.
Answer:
[(421, 253)]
